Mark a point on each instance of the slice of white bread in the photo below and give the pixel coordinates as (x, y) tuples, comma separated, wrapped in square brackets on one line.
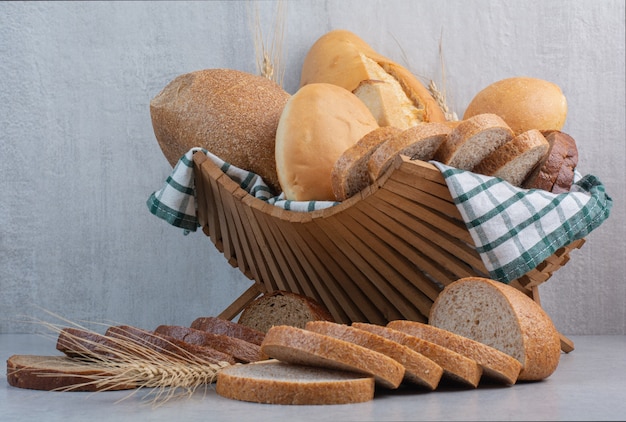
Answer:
[(302, 347), (419, 142), (457, 368), (497, 366), (276, 382), (350, 173), (514, 160), (555, 173), (282, 308), (472, 140), (502, 317), (60, 373), (419, 369)]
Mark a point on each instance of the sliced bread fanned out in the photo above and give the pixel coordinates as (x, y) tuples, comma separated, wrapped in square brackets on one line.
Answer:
[(418, 142), (456, 367), (501, 317), (303, 347), (350, 174), (276, 382), (497, 366), (472, 140), (555, 173), (514, 160), (419, 369)]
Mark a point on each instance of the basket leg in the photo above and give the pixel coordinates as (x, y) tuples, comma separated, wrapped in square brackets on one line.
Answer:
[(242, 301), (567, 345)]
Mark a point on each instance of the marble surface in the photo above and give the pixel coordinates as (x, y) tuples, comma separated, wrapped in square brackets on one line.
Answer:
[(589, 384)]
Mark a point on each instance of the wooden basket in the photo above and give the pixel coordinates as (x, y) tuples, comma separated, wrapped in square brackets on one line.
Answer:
[(383, 254)]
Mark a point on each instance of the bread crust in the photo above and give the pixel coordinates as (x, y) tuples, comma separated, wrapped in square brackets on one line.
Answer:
[(225, 327), (555, 173)]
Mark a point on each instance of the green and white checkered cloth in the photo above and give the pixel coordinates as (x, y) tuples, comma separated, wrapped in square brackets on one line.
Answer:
[(514, 229)]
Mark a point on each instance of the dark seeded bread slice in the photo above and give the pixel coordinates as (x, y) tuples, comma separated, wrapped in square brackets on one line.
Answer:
[(225, 327)]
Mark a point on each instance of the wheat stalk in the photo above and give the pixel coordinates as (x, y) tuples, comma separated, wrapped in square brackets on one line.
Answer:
[(269, 56)]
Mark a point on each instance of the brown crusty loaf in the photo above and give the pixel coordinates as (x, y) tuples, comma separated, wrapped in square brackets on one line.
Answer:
[(302, 347), (419, 369), (232, 114), (419, 142), (350, 173), (472, 140), (390, 91), (225, 327), (496, 365), (241, 350), (555, 173), (514, 160), (456, 367), (502, 317), (281, 307), (524, 103), (59, 373), (275, 382), (319, 122)]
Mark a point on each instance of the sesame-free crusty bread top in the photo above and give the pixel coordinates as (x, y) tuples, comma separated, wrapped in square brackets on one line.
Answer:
[(501, 317), (276, 382), (496, 365), (419, 369), (303, 347)]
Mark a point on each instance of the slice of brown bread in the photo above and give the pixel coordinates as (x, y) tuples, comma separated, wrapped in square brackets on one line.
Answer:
[(456, 367), (350, 173), (59, 373), (502, 317), (241, 350), (225, 327), (419, 369), (514, 160), (302, 347), (472, 140), (497, 365), (555, 173), (282, 308), (419, 142), (276, 382)]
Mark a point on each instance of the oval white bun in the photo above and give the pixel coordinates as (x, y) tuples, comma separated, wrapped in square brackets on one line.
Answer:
[(319, 122)]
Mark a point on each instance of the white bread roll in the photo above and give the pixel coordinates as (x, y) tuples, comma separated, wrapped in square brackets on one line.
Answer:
[(319, 122), (391, 92), (502, 317), (523, 103)]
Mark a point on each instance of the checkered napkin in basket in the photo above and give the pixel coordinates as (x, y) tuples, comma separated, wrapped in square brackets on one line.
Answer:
[(514, 229)]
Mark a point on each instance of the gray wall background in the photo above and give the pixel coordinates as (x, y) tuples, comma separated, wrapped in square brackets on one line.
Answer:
[(78, 157)]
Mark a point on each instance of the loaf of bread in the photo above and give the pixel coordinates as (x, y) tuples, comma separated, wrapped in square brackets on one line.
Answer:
[(472, 140), (391, 92), (216, 325), (457, 368), (281, 307), (555, 172), (350, 172), (319, 122), (419, 369), (524, 103), (419, 142), (514, 160), (60, 373), (276, 382), (232, 114), (302, 347), (496, 365), (501, 317)]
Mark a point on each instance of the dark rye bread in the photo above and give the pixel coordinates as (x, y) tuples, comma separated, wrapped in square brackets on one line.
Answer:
[(555, 173), (59, 373), (243, 351), (419, 370), (225, 327)]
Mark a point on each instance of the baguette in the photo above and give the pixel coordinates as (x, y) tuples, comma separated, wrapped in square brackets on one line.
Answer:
[(275, 382), (302, 347), (419, 370), (497, 366), (501, 317), (216, 325)]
